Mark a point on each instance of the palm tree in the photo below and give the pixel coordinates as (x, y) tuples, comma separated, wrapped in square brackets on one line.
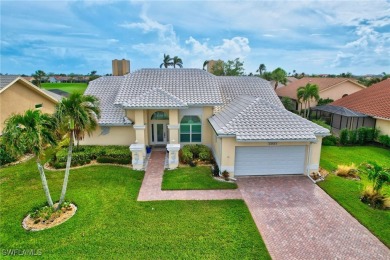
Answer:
[(176, 61), (279, 75), (78, 115), (261, 69), (31, 131), (39, 76), (205, 63), (306, 94), (167, 61)]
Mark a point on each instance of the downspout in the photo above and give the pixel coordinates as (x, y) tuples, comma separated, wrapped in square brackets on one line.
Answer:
[(309, 160)]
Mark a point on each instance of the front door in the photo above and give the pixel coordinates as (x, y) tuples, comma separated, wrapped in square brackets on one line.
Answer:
[(159, 133)]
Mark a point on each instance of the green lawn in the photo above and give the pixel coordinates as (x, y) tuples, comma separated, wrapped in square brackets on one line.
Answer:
[(111, 223), (347, 192), (193, 178), (67, 87)]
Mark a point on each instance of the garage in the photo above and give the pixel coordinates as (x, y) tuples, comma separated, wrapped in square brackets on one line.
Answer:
[(269, 160)]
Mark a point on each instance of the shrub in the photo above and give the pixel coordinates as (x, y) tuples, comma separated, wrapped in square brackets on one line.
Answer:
[(347, 171), (226, 174), (362, 133), (330, 140), (344, 136), (191, 152), (5, 157), (108, 159), (322, 123), (192, 163), (352, 137), (186, 155), (374, 198), (384, 140)]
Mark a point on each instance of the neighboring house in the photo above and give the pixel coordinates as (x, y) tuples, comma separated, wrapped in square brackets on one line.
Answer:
[(18, 95), (252, 134), (369, 107), (333, 88), (53, 79)]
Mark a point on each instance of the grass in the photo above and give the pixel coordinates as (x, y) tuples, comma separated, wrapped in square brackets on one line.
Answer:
[(67, 87), (347, 192), (110, 222), (193, 178)]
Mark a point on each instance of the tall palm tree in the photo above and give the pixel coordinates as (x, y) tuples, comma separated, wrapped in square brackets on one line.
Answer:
[(167, 61), (306, 94), (205, 63), (261, 69), (279, 75), (77, 115), (31, 131), (176, 61)]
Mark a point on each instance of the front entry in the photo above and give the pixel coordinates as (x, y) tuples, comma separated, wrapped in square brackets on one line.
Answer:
[(159, 133)]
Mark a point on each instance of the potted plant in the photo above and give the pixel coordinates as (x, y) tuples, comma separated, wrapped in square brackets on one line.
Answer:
[(148, 149)]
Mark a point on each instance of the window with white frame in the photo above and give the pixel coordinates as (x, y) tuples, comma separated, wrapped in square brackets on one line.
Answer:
[(190, 129)]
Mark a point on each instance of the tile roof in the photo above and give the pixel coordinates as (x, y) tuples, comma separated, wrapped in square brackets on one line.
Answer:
[(254, 119), (290, 90), (232, 87), (373, 101), (339, 111), (155, 98), (5, 80), (191, 86), (106, 89)]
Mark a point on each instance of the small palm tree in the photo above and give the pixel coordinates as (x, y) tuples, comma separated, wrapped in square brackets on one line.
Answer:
[(205, 63), (31, 131), (261, 69), (176, 61), (306, 94), (77, 115), (279, 75), (167, 61)]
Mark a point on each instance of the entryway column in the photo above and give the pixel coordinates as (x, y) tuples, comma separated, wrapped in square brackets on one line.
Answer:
[(173, 126), (137, 155), (138, 149), (173, 159)]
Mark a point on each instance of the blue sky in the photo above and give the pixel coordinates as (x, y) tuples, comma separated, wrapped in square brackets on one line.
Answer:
[(306, 36)]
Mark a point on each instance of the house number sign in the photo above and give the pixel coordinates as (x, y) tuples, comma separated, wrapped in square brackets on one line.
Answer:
[(272, 143)]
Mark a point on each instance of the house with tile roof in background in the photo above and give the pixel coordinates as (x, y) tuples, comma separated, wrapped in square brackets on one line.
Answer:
[(241, 119), (18, 95), (369, 107), (332, 88)]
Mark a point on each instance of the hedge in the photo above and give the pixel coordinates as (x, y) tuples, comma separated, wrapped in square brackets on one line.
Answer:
[(85, 154), (384, 140), (5, 157), (362, 136), (193, 152)]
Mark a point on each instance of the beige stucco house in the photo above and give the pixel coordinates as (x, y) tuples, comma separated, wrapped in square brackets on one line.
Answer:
[(240, 118), (332, 88), (18, 95)]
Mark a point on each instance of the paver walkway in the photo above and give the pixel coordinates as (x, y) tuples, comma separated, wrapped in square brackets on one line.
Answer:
[(151, 185), (298, 220)]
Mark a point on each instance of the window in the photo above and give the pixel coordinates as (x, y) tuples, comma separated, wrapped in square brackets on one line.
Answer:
[(38, 105), (159, 115), (190, 129)]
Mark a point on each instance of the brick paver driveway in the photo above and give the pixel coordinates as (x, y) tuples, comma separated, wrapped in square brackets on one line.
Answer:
[(298, 220)]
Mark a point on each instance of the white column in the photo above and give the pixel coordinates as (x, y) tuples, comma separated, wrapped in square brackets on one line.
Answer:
[(173, 159), (137, 154)]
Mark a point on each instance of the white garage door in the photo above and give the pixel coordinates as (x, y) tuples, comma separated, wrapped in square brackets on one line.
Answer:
[(269, 160)]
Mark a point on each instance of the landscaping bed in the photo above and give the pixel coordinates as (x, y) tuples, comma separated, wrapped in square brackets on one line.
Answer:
[(193, 178), (347, 191)]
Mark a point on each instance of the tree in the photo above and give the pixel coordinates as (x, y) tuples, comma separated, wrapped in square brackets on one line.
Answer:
[(234, 67), (77, 115), (377, 175), (261, 69), (306, 94), (279, 75), (267, 76), (71, 77), (167, 61), (93, 75), (205, 63), (218, 68), (176, 61), (31, 131), (39, 76)]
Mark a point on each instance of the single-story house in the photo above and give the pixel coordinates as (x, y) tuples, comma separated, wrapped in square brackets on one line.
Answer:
[(332, 88), (18, 95), (240, 118), (369, 107)]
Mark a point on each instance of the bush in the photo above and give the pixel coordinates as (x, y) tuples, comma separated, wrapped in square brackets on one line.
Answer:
[(5, 157), (330, 140), (85, 154), (226, 174), (347, 171), (191, 152), (352, 137), (374, 198), (384, 140), (344, 136)]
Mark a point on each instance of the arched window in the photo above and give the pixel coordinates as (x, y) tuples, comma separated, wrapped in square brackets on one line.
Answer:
[(190, 129), (160, 115)]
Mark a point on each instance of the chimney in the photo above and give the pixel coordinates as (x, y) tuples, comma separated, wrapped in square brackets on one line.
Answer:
[(120, 67), (211, 65)]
